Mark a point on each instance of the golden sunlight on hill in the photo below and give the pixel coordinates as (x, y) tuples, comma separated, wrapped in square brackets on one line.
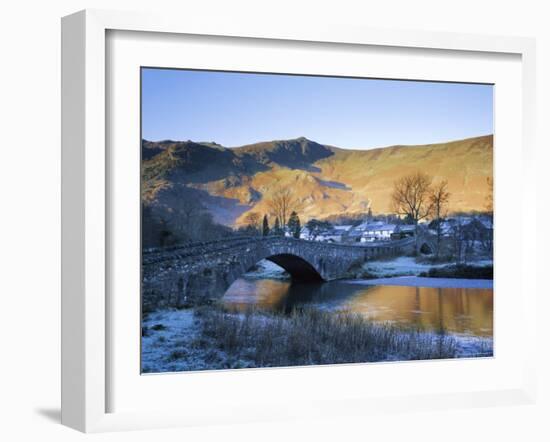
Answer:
[(325, 181), (351, 181)]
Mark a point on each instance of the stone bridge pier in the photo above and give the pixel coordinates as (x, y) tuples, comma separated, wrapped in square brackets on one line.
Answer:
[(201, 272)]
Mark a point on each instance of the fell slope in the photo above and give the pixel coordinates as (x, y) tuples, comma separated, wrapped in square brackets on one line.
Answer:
[(325, 180)]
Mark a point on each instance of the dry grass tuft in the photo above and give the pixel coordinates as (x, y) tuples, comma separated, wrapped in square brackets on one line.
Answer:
[(312, 337)]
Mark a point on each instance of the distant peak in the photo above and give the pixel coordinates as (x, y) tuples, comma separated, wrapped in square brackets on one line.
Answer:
[(292, 140)]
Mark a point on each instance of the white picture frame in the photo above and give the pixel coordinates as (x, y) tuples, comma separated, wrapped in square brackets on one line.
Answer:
[(86, 315)]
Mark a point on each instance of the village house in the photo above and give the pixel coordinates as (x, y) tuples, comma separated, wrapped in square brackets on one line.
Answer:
[(330, 235), (342, 229), (476, 226), (305, 233), (378, 232)]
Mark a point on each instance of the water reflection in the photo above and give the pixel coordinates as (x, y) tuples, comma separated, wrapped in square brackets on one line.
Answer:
[(455, 310)]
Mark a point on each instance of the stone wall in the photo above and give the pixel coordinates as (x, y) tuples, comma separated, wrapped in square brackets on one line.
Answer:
[(201, 272)]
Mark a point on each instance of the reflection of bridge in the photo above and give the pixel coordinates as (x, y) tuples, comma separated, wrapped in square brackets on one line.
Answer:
[(198, 272)]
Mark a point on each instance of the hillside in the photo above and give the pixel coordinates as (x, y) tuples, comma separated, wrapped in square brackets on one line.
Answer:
[(326, 180)]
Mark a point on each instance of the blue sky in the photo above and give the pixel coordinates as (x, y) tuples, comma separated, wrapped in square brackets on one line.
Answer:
[(233, 109)]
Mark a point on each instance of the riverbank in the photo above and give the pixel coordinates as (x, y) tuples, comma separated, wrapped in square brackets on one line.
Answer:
[(391, 267), (411, 266), (209, 338)]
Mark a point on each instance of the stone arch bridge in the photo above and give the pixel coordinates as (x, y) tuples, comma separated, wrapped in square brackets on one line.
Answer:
[(200, 272)]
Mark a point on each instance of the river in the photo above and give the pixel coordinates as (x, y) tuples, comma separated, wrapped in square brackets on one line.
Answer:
[(437, 306)]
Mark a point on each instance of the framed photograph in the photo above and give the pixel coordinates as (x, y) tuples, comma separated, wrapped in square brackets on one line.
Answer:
[(276, 222), (289, 252)]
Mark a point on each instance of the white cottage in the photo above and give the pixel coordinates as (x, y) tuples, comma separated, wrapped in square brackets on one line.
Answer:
[(377, 232)]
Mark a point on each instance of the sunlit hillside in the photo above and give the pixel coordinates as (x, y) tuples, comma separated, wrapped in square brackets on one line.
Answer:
[(325, 180)]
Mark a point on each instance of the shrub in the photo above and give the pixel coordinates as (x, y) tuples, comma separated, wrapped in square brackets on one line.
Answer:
[(460, 271), (313, 337)]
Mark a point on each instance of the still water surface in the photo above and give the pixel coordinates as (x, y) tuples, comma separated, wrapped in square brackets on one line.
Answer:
[(463, 311)]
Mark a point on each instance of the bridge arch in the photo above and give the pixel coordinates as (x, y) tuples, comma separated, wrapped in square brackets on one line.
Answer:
[(298, 268), (201, 272), (300, 271), (302, 268)]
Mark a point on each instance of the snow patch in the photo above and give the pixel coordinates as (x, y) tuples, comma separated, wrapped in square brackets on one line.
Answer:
[(408, 266), (167, 343)]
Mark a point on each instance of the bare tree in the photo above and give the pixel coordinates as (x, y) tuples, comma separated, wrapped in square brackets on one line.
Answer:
[(316, 227), (281, 205), (411, 196), (184, 215), (439, 199), (186, 219), (459, 240), (253, 220)]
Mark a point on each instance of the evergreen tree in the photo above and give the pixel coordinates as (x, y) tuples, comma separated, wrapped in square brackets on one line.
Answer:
[(315, 227), (277, 227), (252, 220), (265, 226), (294, 225)]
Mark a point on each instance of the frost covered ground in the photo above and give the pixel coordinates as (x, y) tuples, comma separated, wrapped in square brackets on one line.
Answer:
[(401, 266), (170, 343), (408, 266), (174, 340), (473, 346)]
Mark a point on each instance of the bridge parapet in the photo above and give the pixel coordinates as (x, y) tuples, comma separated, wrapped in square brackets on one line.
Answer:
[(199, 272)]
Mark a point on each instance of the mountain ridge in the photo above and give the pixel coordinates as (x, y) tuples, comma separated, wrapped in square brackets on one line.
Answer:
[(327, 180)]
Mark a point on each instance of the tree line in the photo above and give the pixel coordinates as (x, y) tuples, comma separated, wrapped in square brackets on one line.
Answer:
[(258, 225), (181, 219), (283, 210), (417, 196), (414, 198)]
